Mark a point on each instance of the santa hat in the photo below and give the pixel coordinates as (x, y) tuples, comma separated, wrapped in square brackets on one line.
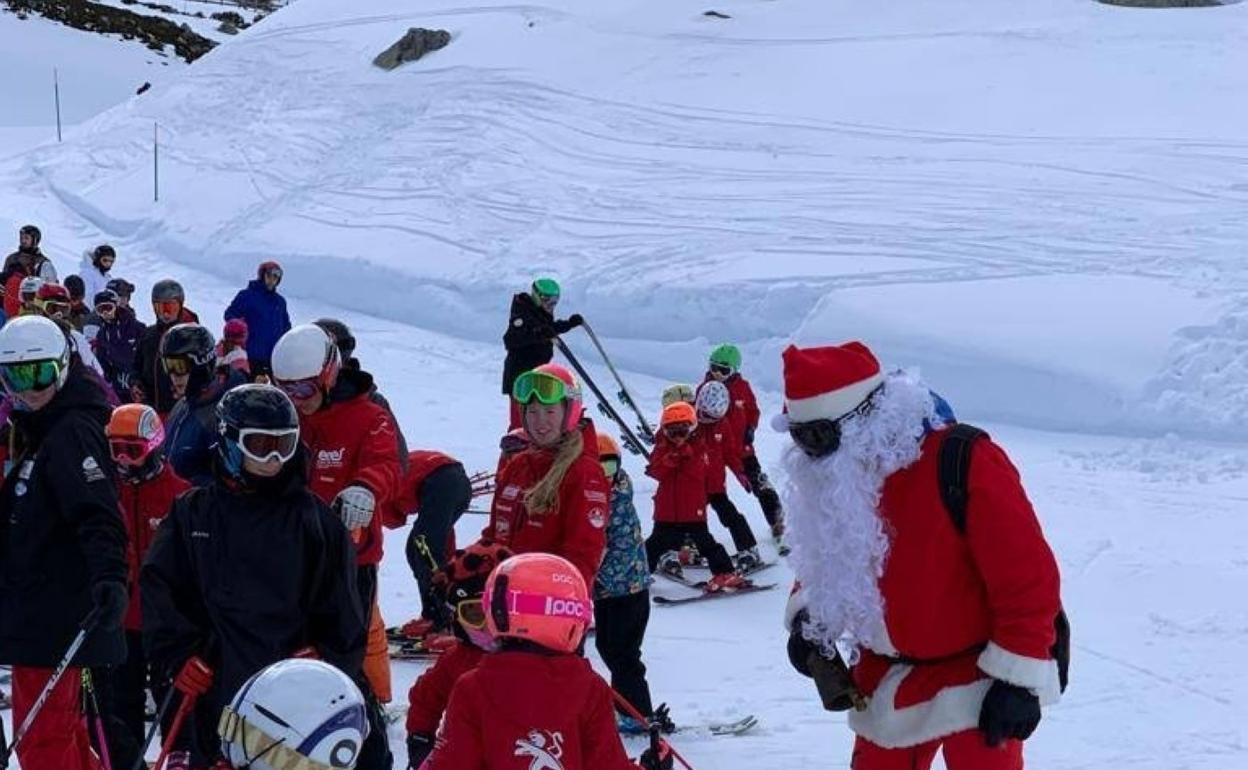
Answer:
[(828, 383)]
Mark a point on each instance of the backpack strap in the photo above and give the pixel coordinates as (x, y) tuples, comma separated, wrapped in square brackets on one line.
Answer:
[(954, 470)]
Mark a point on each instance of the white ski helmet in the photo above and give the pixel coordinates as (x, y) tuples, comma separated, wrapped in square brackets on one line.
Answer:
[(306, 352), (712, 401), (29, 287), (33, 339), (296, 713)]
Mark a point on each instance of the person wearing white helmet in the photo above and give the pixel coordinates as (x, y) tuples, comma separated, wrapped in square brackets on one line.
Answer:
[(59, 521), (724, 450), (355, 464)]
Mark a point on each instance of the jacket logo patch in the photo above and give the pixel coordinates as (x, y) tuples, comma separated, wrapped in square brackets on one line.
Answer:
[(517, 323), (543, 749), (597, 518), (595, 496), (195, 533), (511, 492), (330, 458), (91, 471)]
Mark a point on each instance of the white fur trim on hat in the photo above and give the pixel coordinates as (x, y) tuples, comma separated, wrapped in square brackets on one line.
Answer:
[(833, 404)]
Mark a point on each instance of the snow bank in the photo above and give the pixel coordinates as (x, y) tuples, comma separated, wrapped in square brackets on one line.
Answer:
[(694, 179)]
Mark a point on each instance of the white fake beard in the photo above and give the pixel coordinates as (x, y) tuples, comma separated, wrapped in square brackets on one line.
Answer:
[(832, 521)]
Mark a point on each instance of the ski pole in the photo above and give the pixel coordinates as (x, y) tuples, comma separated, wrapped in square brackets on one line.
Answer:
[(151, 732), (625, 396), (184, 709), (88, 625), (635, 714), (91, 707), (630, 438)]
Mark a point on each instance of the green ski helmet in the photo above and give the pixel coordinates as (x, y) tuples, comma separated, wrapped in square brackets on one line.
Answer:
[(727, 356), (545, 290)]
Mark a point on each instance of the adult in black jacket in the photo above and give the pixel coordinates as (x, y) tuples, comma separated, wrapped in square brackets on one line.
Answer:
[(62, 540), (248, 570), (151, 383), (531, 332)]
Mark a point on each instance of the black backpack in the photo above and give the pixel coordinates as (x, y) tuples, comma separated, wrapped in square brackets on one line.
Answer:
[(953, 472)]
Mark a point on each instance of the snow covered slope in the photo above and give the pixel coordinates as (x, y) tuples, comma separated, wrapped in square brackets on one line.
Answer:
[(812, 163)]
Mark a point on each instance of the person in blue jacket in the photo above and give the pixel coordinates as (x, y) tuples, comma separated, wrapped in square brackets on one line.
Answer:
[(189, 354), (264, 310)]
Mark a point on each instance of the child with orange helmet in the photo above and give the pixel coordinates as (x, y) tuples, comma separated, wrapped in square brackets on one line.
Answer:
[(552, 497), (462, 585), (681, 466), (536, 702)]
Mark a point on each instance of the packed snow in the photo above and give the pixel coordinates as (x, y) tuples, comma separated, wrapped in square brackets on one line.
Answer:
[(1040, 204)]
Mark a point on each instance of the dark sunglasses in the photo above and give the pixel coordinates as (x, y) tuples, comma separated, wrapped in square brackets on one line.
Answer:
[(104, 308), (721, 369), (680, 430)]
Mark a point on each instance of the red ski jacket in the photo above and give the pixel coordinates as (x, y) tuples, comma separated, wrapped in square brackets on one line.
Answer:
[(144, 506), (684, 475), (520, 711), (406, 500), (721, 452), (432, 691), (576, 529), (352, 442)]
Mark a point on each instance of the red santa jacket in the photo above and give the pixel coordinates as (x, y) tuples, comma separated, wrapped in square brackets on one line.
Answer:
[(684, 475), (958, 608), (406, 501), (144, 506), (432, 691), (352, 442), (722, 452), (520, 711), (576, 530)]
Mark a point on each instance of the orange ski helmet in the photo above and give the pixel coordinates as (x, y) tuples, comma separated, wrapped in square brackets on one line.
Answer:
[(539, 598)]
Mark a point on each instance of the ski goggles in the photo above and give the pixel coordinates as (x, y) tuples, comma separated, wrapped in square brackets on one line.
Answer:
[(817, 438), (106, 308), (263, 445), (611, 467), (471, 613), (721, 369), (131, 451), (300, 390), (30, 375), (177, 365), (167, 307), (678, 430), (53, 308), (546, 388), (273, 272)]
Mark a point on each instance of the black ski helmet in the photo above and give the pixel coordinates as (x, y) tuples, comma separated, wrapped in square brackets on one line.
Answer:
[(340, 333), (121, 287), (194, 343), (254, 406), (35, 234), (167, 290)]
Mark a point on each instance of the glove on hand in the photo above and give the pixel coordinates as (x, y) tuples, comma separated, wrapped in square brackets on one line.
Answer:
[(418, 749), (1008, 712), (194, 679), (355, 506), (110, 599)]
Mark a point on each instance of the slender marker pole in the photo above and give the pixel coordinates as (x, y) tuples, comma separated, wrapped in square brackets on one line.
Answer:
[(155, 162), (56, 94)]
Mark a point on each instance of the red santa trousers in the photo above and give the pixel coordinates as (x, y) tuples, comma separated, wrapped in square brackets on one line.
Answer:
[(58, 737), (963, 751)]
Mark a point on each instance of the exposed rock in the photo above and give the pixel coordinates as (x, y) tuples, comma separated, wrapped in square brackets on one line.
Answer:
[(416, 43), (152, 31)]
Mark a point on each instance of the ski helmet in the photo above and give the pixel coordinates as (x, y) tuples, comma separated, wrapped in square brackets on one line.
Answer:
[(340, 333), (168, 290), (677, 392), (75, 286), (36, 236), (678, 413), (305, 359), (135, 435), (101, 252), (34, 354), (551, 384), (29, 288), (257, 421), (52, 299), (269, 267), (539, 598), (106, 297), (728, 357), (545, 290), (190, 349), (463, 581), (295, 713), (607, 447), (713, 401), (121, 287)]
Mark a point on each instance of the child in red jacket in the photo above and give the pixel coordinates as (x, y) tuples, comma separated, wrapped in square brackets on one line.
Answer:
[(147, 489), (742, 418), (681, 466), (463, 581), (535, 703), (724, 452)]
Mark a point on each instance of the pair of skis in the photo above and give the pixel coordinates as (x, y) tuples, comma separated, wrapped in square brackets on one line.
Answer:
[(632, 441)]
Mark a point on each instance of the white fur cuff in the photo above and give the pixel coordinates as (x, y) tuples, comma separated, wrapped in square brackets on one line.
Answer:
[(1039, 676)]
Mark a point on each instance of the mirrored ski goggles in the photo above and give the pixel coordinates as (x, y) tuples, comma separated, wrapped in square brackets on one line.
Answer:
[(273, 272), (611, 467), (30, 375), (179, 365), (721, 369), (300, 390), (130, 451), (818, 438), (471, 613), (678, 430), (546, 388), (167, 307), (263, 445)]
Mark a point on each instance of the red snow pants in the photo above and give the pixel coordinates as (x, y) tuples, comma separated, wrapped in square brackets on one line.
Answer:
[(963, 751), (58, 737)]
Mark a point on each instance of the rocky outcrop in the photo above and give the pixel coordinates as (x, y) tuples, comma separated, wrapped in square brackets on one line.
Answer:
[(152, 31), (416, 43)]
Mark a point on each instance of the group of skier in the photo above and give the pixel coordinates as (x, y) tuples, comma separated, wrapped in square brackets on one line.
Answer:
[(206, 526)]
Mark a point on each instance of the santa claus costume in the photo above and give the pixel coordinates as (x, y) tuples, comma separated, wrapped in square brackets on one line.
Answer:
[(948, 634)]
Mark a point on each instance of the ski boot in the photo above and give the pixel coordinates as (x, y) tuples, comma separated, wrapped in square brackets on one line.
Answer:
[(669, 564), (748, 560), (627, 725), (725, 582), (662, 717)]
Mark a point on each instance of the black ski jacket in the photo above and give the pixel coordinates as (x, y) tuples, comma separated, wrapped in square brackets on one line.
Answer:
[(60, 530), (157, 389), (529, 339)]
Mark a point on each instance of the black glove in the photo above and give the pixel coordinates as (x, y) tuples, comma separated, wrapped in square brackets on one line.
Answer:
[(656, 760), (418, 749), (575, 320), (1008, 712), (800, 649), (749, 436), (110, 599)]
